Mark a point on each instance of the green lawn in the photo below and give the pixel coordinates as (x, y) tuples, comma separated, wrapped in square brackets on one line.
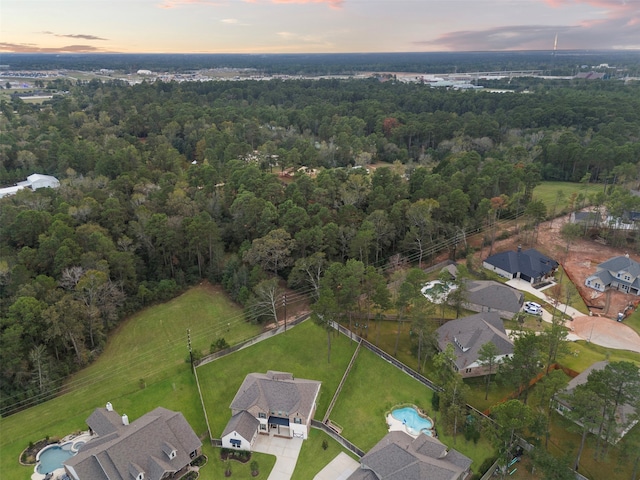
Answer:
[(301, 351), (314, 458), (633, 320), (143, 366), (215, 468), (547, 192)]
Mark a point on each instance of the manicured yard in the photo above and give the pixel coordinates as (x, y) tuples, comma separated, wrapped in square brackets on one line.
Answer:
[(215, 468), (372, 389), (143, 366), (314, 458), (301, 350)]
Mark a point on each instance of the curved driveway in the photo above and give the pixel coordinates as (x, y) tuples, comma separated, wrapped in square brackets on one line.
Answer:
[(605, 332)]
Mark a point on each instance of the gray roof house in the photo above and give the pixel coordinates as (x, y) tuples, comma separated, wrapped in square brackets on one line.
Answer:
[(626, 417), (158, 445), (529, 265), (398, 456), (278, 403), (620, 273), (489, 296), (468, 334)]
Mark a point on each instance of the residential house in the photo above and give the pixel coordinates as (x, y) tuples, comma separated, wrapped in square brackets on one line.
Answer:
[(587, 219), (490, 296), (398, 456), (621, 273), (529, 265), (34, 182), (158, 445), (468, 334), (626, 417), (274, 403)]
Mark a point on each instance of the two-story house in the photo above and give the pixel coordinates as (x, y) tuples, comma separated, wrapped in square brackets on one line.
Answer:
[(621, 273), (274, 403)]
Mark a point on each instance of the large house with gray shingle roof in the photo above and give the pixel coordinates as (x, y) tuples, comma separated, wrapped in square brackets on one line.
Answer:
[(490, 296), (158, 445), (529, 265), (398, 456), (274, 403), (620, 273), (468, 334)]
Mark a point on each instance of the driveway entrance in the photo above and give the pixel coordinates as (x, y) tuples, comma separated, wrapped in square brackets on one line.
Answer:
[(286, 451)]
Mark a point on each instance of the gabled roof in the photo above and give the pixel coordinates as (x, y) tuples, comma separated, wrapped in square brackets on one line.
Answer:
[(494, 295), (530, 262), (276, 392), (244, 424), (468, 334), (621, 263), (138, 447), (398, 456)]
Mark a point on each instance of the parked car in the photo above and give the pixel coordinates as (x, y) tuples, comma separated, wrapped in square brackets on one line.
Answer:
[(533, 308)]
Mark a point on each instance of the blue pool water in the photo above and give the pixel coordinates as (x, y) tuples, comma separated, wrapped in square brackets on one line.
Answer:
[(52, 457), (412, 420)]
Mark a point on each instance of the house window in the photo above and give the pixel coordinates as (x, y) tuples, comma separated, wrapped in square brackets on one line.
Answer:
[(235, 443), (263, 426), (297, 420), (468, 370), (262, 415), (627, 278)]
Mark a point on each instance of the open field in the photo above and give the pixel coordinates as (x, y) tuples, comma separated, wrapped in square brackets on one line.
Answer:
[(548, 193), (137, 372)]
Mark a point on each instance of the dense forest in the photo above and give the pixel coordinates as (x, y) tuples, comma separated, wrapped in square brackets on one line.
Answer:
[(250, 183)]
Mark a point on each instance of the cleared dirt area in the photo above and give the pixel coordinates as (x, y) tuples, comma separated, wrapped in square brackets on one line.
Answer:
[(579, 262)]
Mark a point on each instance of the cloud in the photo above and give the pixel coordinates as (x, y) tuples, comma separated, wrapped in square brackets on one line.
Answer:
[(331, 3), (599, 35), (168, 4), (76, 36), (616, 26), (32, 48)]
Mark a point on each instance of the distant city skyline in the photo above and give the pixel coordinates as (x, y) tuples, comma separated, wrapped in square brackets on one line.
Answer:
[(316, 26)]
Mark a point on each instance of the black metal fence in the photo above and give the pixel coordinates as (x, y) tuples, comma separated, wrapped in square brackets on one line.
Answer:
[(338, 438)]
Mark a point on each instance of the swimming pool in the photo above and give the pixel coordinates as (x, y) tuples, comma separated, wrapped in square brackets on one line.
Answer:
[(437, 291), (413, 421), (50, 458)]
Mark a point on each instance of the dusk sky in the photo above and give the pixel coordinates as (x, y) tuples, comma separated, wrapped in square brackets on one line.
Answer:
[(332, 26)]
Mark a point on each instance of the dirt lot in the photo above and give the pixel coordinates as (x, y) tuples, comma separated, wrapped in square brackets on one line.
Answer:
[(578, 263)]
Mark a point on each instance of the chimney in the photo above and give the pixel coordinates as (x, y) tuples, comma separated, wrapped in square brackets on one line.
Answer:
[(125, 419), (519, 248), (109, 407)]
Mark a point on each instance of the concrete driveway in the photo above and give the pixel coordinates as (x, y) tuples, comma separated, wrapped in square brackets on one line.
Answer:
[(599, 330), (286, 451), (607, 333), (340, 468)]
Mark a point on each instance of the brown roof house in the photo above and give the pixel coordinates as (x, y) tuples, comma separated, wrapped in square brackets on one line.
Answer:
[(399, 456), (158, 445), (468, 334), (274, 403), (625, 415)]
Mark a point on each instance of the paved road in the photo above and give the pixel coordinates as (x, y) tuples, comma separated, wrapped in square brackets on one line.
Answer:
[(599, 330)]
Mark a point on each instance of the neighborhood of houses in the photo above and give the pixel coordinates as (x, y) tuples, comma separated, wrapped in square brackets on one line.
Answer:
[(162, 445)]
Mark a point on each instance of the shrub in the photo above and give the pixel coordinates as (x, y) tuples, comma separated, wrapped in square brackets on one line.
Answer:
[(325, 444)]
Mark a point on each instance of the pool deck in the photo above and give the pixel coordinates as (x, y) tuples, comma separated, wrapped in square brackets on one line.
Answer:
[(59, 472)]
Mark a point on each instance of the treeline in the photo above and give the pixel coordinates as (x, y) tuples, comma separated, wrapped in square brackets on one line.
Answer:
[(566, 62), (165, 184)]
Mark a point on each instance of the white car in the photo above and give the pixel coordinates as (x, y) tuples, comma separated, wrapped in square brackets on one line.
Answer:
[(533, 308)]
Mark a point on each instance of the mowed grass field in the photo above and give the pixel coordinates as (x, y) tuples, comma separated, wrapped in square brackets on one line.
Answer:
[(143, 366), (548, 193), (301, 351)]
